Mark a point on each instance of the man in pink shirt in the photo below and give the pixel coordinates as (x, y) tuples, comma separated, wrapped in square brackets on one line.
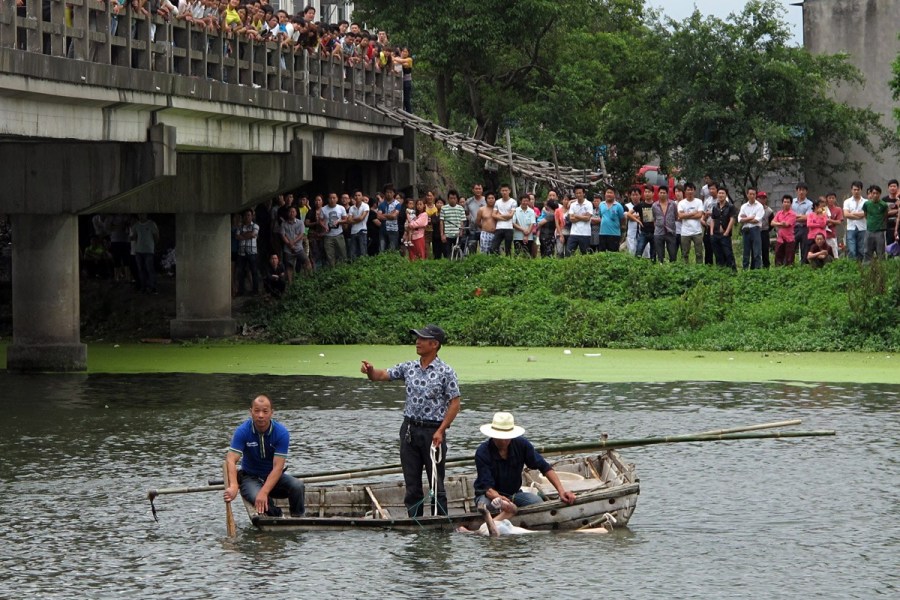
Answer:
[(785, 243)]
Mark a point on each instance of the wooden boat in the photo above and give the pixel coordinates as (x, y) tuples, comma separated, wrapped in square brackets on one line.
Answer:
[(601, 484)]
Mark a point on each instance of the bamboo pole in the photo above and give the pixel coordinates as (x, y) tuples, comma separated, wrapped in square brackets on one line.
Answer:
[(772, 425), (229, 516), (731, 434)]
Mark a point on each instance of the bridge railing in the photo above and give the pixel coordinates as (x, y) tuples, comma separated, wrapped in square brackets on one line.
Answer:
[(91, 30)]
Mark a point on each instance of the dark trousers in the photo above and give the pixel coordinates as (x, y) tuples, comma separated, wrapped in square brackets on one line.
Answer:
[(147, 271), (504, 236), (784, 253), (642, 241), (582, 242), (359, 244), (723, 251), (373, 236), (665, 243), (609, 243), (287, 487), (447, 247), (801, 233), (752, 248), (438, 247), (547, 242), (707, 248), (415, 455), (245, 262), (874, 245), (523, 248), (765, 248), (407, 96)]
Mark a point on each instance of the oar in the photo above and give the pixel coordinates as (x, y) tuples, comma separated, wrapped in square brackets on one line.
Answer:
[(229, 517)]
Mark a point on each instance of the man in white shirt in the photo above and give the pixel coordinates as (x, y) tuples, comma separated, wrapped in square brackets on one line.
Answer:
[(358, 219), (690, 212), (333, 218), (504, 210), (579, 213), (750, 217), (856, 221), (709, 189)]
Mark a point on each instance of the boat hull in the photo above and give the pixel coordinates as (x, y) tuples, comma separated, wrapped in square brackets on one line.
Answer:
[(601, 484)]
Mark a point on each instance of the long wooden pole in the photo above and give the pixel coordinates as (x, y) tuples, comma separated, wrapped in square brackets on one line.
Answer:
[(229, 516), (772, 425), (732, 434)]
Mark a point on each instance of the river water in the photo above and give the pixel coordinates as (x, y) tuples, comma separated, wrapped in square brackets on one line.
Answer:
[(787, 518)]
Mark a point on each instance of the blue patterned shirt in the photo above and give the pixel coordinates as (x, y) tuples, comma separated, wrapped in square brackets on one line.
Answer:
[(429, 390)]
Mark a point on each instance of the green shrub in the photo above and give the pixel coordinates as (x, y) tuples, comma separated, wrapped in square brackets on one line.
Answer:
[(605, 300)]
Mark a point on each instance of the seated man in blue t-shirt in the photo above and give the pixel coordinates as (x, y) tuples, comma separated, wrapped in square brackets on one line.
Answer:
[(262, 445), (499, 462)]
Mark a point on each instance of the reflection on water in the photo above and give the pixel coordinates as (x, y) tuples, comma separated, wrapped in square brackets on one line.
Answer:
[(772, 518)]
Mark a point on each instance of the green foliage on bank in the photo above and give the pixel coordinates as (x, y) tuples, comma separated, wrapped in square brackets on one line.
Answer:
[(607, 300)]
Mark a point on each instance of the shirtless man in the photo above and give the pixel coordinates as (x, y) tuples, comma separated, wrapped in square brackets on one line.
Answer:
[(487, 223)]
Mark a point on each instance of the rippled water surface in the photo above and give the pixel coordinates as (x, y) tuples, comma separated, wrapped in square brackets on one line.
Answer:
[(803, 518)]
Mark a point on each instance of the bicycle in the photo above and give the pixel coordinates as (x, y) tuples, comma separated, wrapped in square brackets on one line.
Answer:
[(460, 247)]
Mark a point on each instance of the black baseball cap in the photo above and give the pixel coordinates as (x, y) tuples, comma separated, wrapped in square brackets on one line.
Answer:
[(430, 332)]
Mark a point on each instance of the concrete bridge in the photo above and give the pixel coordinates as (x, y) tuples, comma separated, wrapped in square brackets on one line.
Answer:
[(106, 113)]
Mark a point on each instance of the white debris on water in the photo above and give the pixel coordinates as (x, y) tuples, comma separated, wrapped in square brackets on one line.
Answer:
[(593, 354), (567, 352)]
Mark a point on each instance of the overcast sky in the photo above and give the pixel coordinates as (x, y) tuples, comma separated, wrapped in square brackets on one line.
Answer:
[(679, 9)]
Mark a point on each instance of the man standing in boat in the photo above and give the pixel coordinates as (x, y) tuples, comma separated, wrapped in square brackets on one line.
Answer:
[(432, 402), (499, 461), (262, 445)]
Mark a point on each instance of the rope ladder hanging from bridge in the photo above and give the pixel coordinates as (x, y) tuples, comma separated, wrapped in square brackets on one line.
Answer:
[(558, 177)]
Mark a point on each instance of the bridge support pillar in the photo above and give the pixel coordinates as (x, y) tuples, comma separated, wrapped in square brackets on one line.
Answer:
[(203, 276), (45, 288)]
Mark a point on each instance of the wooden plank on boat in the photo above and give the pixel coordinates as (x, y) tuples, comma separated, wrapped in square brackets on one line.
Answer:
[(381, 512)]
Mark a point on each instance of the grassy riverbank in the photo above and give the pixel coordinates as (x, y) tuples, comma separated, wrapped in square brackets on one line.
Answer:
[(598, 301), (497, 364)]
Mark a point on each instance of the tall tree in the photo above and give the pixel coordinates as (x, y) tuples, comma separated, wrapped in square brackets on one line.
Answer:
[(739, 101)]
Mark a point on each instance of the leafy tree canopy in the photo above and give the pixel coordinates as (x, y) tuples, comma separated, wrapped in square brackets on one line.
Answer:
[(729, 96)]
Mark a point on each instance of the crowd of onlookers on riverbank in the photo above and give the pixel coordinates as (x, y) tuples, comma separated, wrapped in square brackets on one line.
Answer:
[(295, 234), (303, 233)]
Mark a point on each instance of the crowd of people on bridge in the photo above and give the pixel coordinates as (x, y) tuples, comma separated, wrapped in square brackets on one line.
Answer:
[(258, 20), (300, 234)]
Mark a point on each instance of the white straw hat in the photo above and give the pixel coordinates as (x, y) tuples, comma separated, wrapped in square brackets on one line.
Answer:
[(503, 427)]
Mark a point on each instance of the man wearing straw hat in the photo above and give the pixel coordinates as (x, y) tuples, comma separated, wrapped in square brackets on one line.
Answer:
[(500, 460), (432, 402)]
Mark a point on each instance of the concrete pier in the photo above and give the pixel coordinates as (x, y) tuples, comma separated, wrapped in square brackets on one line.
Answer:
[(135, 126), (867, 31), (203, 276), (46, 305)]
